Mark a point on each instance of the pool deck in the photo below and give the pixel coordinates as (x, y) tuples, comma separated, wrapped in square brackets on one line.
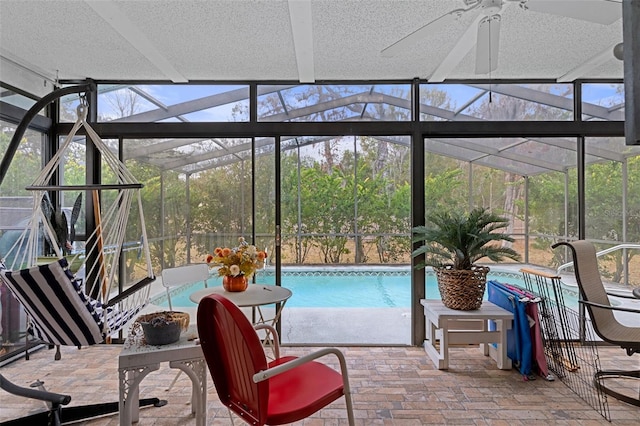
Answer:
[(375, 326), (367, 326)]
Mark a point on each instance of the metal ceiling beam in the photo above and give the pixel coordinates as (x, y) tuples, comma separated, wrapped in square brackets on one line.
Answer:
[(196, 158), (164, 164), (517, 169), (487, 151), (484, 159), (163, 145), (428, 128), (265, 142), (570, 145)]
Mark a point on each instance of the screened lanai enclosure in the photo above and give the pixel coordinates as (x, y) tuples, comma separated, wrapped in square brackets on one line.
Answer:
[(329, 179)]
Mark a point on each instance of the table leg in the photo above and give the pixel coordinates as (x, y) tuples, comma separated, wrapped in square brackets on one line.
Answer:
[(504, 363), (128, 405), (267, 341), (440, 357), (431, 328), (485, 329), (444, 345), (196, 369)]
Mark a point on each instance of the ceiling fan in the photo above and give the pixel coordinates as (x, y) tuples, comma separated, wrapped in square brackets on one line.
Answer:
[(484, 31)]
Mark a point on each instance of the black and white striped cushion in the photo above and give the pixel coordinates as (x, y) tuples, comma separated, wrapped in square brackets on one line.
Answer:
[(59, 314)]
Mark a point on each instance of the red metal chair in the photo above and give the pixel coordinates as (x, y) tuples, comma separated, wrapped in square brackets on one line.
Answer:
[(284, 390)]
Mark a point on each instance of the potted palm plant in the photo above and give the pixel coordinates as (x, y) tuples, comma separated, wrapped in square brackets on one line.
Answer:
[(453, 242)]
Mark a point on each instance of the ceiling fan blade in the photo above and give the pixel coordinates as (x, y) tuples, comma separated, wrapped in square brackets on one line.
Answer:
[(432, 27), (599, 11), (459, 51), (488, 44)]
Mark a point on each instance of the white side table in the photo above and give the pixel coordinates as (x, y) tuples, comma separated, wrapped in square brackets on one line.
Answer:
[(137, 360), (450, 327), (255, 296)]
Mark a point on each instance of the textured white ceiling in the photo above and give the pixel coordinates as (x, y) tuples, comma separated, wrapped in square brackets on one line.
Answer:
[(252, 40)]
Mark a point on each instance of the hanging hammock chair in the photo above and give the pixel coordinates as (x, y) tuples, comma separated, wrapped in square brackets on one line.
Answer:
[(86, 308)]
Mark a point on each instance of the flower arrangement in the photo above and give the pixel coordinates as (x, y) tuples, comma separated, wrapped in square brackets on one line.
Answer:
[(242, 260)]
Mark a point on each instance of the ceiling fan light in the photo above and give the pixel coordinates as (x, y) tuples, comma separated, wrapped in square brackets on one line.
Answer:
[(618, 50), (490, 7)]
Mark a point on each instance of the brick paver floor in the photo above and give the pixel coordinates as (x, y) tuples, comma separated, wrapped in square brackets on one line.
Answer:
[(391, 386)]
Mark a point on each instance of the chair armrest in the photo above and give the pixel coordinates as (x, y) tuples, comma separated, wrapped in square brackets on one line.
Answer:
[(279, 369), (609, 307), (54, 398), (128, 292), (274, 333), (624, 293)]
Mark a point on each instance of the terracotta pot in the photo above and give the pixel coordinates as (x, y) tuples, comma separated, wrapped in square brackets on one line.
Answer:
[(237, 283)]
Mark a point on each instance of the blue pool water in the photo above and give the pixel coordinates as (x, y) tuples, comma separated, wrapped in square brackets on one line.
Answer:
[(350, 289)]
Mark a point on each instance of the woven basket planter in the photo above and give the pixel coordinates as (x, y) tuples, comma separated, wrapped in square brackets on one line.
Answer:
[(462, 289), (162, 328)]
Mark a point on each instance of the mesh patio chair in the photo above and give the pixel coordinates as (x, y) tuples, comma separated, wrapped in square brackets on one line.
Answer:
[(594, 296)]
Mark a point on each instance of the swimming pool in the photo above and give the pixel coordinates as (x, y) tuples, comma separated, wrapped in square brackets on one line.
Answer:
[(348, 288)]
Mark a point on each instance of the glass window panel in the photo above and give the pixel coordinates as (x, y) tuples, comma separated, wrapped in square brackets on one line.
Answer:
[(15, 201), (265, 201), (189, 155), (134, 265), (446, 180), (26, 163), (16, 205), (516, 155), (326, 103), (216, 208), (501, 192), (14, 98), (383, 200), (632, 216), (346, 200), (496, 102), (610, 220), (549, 218), (603, 102), (68, 106), (324, 225), (74, 172), (443, 102), (173, 103)]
